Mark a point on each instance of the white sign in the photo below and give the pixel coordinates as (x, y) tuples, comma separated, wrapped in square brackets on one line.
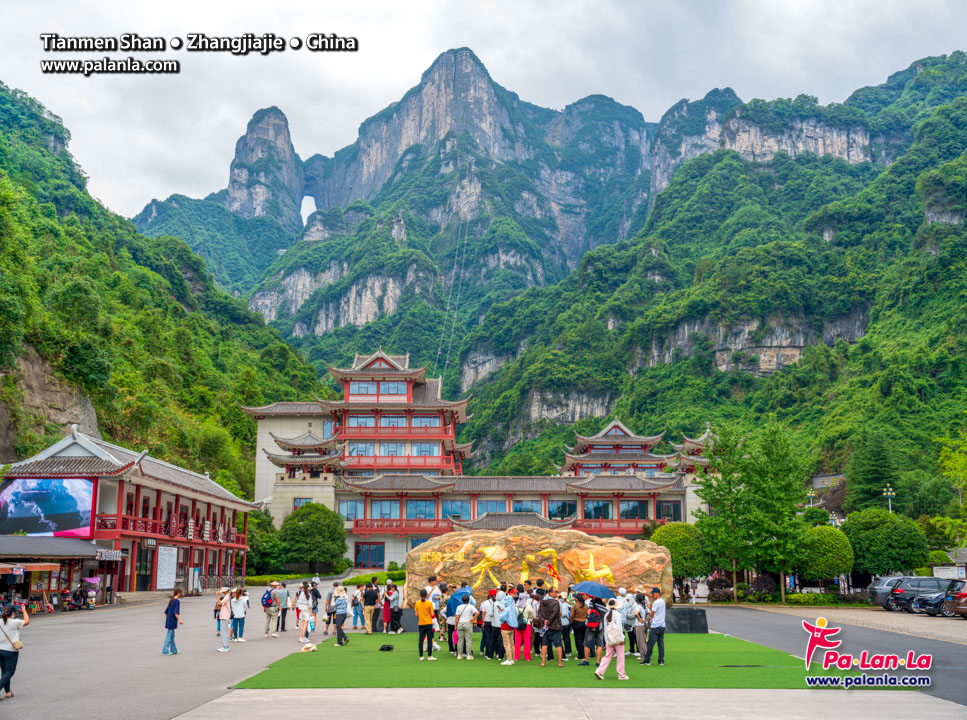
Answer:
[(167, 567), (104, 554), (945, 571)]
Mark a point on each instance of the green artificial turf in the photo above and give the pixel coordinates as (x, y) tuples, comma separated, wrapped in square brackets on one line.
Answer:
[(691, 661)]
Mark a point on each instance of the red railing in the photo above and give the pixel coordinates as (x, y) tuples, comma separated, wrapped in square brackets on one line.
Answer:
[(444, 431), (612, 527), (402, 461), (164, 529), (410, 527)]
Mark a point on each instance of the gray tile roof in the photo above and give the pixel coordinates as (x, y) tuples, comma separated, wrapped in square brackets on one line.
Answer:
[(627, 483), (502, 521), (400, 482), (68, 467), (286, 408), (21, 546), (508, 483)]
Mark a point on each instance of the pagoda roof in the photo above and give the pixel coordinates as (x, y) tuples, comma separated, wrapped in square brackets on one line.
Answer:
[(700, 443), (500, 484), (616, 459), (686, 460), (309, 460), (507, 520), (401, 362), (426, 396), (284, 408), (399, 483), (68, 467), (626, 483), (306, 441), (626, 437)]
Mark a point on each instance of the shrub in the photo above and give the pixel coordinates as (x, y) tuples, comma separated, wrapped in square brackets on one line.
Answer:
[(741, 586), (810, 599), (260, 580), (764, 584), (392, 567), (719, 583), (720, 595)]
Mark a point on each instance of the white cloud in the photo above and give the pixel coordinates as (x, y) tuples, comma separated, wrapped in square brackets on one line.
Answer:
[(140, 137)]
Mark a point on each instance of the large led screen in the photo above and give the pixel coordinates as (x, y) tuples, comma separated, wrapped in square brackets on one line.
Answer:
[(52, 506)]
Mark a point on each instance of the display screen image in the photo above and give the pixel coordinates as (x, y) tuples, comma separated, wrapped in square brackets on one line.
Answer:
[(50, 506)]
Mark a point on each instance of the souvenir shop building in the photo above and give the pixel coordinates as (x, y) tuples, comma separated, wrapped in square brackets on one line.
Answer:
[(125, 521)]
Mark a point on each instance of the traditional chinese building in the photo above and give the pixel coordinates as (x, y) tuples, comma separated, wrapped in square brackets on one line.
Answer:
[(135, 522), (385, 457)]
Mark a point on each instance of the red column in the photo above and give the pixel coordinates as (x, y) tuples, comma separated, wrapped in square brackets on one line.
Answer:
[(544, 505), (120, 501), (245, 527), (365, 506), (244, 562), (157, 506), (154, 569), (133, 562), (137, 501), (581, 506), (220, 565)]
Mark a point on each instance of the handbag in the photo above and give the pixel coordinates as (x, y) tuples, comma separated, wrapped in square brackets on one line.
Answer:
[(17, 645)]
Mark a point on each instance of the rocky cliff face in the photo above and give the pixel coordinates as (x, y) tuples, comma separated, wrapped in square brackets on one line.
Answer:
[(801, 135), (266, 174), (477, 365), (294, 289), (367, 300), (567, 408), (761, 348), (43, 399)]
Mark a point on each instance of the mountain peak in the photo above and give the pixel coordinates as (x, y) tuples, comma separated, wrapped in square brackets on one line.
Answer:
[(460, 60), (266, 174)]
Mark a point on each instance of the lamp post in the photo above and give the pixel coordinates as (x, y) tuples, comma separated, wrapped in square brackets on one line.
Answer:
[(811, 495), (889, 494)]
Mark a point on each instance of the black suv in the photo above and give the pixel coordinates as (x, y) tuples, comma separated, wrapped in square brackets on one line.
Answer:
[(880, 589), (905, 591)]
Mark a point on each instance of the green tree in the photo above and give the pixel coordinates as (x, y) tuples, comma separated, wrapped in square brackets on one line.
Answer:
[(885, 543), (826, 554), (721, 487), (953, 461), (266, 550), (775, 476), (687, 547), (933, 495), (314, 534), (814, 516), (870, 468)]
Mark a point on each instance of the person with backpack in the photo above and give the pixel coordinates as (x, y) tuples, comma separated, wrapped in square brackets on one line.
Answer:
[(656, 633), (357, 605), (523, 630), (425, 615), (270, 606), (579, 617), (225, 617), (628, 613), (614, 637), (594, 633), (338, 606), (507, 619), (395, 612), (284, 604)]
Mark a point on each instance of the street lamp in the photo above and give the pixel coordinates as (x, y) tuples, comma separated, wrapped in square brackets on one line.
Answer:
[(811, 495), (889, 494)]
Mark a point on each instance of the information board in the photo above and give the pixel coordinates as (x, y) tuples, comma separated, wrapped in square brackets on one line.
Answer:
[(167, 567)]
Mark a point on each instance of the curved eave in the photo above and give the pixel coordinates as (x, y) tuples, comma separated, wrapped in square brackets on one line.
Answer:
[(287, 461), (291, 444), (418, 374)]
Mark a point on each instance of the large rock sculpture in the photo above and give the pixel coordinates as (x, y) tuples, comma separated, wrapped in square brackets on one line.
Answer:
[(485, 558)]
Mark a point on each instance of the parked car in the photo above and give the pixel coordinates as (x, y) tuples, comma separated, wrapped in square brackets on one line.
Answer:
[(878, 592), (931, 604), (956, 598), (910, 588)]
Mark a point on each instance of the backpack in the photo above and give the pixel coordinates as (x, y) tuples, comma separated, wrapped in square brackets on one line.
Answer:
[(613, 632), (267, 599), (629, 624), (594, 618), (521, 622)]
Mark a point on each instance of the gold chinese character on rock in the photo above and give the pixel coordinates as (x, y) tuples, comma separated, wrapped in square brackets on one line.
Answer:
[(485, 565), (589, 573)]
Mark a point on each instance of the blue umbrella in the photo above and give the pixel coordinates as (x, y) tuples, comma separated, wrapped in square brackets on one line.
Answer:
[(456, 599), (594, 590)]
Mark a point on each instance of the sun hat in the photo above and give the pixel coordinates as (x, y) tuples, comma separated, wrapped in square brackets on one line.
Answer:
[(622, 591)]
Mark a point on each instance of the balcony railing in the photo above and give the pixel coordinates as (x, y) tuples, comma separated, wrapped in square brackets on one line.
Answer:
[(444, 431), (163, 529), (430, 461), (612, 527), (409, 527)]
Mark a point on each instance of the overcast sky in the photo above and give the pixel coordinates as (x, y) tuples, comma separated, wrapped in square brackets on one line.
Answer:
[(144, 137)]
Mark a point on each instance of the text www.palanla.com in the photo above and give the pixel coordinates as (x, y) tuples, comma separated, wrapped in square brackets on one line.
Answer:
[(864, 680), (109, 65)]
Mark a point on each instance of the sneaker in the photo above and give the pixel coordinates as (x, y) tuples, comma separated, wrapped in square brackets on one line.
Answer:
[(435, 646), (507, 662), (218, 634), (431, 658), (646, 664), (469, 657), (167, 653), (243, 639), (661, 664), (624, 678), (598, 675), (584, 663), (346, 641), (275, 634), (399, 631), (223, 649), (266, 634), (459, 657), (421, 658)]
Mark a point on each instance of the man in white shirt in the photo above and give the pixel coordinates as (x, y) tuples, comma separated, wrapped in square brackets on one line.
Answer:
[(657, 632)]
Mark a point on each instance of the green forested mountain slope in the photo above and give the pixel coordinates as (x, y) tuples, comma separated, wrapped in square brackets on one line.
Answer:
[(137, 323), (787, 251)]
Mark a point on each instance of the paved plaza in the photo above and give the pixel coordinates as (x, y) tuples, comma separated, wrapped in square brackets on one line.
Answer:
[(108, 664)]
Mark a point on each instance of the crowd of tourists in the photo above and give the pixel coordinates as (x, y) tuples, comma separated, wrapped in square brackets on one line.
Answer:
[(536, 620)]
